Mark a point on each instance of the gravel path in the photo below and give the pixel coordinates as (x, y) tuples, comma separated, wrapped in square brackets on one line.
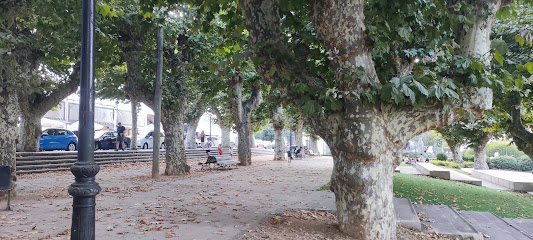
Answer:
[(215, 204)]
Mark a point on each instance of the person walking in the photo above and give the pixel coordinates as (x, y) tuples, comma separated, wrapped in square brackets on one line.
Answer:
[(208, 147), (202, 138), (120, 137)]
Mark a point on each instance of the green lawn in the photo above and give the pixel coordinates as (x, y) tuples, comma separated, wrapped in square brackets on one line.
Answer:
[(462, 196), (425, 190)]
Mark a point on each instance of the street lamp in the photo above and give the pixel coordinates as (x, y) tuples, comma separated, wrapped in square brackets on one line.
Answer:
[(209, 111), (85, 188)]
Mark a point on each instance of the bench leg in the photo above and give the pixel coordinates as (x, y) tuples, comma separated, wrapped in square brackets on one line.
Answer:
[(8, 200)]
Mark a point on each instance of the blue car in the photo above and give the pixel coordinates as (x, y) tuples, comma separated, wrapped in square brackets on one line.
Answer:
[(58, 139)]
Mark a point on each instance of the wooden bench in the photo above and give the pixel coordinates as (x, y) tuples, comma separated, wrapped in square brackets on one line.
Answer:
[(433, 170)]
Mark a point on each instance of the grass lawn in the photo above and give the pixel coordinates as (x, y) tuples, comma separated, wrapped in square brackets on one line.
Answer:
[(426, 190), (462, 196)]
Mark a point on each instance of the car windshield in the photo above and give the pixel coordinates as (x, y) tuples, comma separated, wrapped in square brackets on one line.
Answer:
[(98, 134)]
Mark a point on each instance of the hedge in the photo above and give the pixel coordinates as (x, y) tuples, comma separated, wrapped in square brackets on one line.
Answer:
[(523, 163), (445, 163), (468, 164)]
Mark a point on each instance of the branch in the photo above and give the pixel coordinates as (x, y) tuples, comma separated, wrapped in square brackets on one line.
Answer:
[(59, 93), (521, 136), (255, 99)]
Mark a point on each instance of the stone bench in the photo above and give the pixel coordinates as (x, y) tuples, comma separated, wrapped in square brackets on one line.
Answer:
[(516, 181), (433, 171)]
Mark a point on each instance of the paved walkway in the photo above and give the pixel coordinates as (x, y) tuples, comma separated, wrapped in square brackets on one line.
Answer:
[(216, 204)]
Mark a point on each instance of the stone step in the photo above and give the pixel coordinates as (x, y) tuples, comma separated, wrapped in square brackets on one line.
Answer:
[(493, 227), (405, 214), (446, 221), (524, 225)]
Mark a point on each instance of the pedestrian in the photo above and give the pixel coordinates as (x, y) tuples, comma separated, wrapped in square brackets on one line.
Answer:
[(120, 137), (208, 147), (219, 149), (231, 150), (202, 138)]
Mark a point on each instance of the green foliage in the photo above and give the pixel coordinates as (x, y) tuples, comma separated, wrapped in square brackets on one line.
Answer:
[(468, 155), (445, 163), (503, 149), (266, 134), (468, 164), (442, 156), (511, 163)]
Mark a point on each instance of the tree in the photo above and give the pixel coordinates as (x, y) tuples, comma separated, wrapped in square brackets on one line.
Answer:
[(366, 98), (453, 135), (194, 113), (278, 123)]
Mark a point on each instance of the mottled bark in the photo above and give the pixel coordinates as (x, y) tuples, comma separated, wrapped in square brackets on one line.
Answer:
[(29, 131), (251, 136), (190, 138), (224, 121), (314, 145), (363, 194), (241, 116), (299, 132), (176, 161), (279, 124), (456, 152), (9, 113), (480, 155), (134, 117)]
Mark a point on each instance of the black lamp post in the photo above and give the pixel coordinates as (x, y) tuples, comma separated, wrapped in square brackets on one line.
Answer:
[(85, 188)]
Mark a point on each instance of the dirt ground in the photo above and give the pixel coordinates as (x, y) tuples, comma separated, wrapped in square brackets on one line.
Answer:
[(268, 200)]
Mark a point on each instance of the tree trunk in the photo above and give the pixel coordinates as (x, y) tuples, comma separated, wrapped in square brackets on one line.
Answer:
[(29, 130), (251, 136), (480, 155), (241, 115), (314, 145), (279, 144), (134, 127), (9, 113), (456, 152), (226, 141), (190, 138), (363, 195), (175, 158), (298, 132)]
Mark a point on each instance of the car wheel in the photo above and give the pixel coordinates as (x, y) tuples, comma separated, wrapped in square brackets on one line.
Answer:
[(71, 147), (162, 145), (145, 146)]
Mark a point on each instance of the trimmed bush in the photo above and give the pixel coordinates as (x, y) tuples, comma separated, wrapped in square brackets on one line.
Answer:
[(445, 163), (503, 149), (442, 156), (468, 155), (468, 164), (523, 163)]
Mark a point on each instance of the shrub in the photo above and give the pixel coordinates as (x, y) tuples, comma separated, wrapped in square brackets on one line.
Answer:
[(468, 155), (524, 163), (503, 162), (468, 164), (442, 156), (445, 163), (503, 148)]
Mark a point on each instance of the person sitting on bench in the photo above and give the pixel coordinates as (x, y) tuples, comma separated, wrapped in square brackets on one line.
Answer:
[(300, 153)]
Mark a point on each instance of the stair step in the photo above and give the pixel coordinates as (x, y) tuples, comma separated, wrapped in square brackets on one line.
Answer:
[(524, 225), (445, 220), (492, 226), (405, 214)]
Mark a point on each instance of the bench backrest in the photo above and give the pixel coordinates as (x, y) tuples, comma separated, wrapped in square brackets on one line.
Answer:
[(5, 177)]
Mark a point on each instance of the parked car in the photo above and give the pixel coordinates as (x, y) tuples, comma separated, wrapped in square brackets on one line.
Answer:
[(147, 141), (107, 140), (58, 139)]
